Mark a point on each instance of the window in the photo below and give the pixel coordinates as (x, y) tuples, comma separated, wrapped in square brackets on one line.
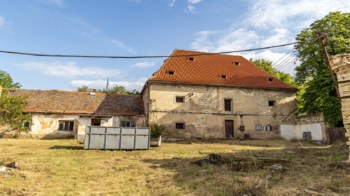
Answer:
[(258, 127), (269, 79), (171, 72), (228, 105), (179, 99), (95, 122), (190, 58), (236, 63), (27, 124), (223, 76), (180, 125), (268, 128), (127, 124), (271, 103), (65, 125)]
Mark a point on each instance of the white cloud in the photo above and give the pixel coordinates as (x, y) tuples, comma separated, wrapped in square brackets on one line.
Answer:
[(171, 3), (2, 20), (190, 9), (101, 84), (275, 13), (58, 2), (143, 64), (194, 1), (70, 70), (122, 46)]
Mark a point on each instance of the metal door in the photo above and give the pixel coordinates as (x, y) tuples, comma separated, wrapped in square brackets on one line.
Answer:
[(229, 128)]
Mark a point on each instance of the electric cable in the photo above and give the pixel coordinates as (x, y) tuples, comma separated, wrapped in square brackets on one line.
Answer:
[(295, 58), (138, 57), (283, 62), (282, 57)]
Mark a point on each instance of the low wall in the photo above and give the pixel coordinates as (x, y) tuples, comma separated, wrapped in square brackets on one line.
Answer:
[(302, 127)]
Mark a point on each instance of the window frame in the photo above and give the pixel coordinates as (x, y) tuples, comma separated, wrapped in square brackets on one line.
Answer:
[(126, 123), (71, 125), (180, 97), (171, 72), (230, 100), (271, 101), (270, 79), (176, 125), (258, 127), (223, 76)]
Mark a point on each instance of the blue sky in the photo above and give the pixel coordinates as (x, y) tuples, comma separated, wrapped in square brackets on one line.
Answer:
[(141, 27)]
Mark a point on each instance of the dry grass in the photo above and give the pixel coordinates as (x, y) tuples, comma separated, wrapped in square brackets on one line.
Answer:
[(62, 167)]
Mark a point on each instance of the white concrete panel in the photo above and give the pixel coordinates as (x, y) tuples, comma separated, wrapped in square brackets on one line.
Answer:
[(290, 132)]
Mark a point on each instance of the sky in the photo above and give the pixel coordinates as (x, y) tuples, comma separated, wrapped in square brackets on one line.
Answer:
[(141, 27)]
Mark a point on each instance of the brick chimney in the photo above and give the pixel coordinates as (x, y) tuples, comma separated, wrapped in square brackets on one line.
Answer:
[(341, 66), (94, 90)]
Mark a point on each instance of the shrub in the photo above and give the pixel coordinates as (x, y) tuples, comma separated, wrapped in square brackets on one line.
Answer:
[(156, 130)]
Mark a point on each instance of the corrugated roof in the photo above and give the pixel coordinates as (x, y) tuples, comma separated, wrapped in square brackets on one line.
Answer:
[(208, 69), (69, 102)]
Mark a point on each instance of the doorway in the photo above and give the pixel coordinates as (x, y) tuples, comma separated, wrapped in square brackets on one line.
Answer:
[(95, 122), (229, 128)]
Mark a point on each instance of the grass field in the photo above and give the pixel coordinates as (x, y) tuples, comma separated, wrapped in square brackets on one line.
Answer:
[(62, 167)]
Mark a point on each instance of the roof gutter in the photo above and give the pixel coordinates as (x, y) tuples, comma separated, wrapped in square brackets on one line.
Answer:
[(203, 84)]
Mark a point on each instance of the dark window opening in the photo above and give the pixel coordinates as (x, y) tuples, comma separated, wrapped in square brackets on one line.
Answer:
[(127, 124), (95, 122), (171, 72), (236, 63), (190, 58), (180, 125), (271, 103), (228, 105), (270, 79), (223, 76), (65, 125), (179, 99)]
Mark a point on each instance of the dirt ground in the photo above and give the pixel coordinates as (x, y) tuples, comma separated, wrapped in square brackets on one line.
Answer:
[(62, 167)]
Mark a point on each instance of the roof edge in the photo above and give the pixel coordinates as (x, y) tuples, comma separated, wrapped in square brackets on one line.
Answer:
[(205, 84)]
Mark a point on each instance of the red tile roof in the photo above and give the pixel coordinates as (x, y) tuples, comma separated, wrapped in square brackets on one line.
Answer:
[(207, 69), (69, 102)]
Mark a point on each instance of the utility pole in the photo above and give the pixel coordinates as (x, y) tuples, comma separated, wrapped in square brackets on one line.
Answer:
[(323, 35), (107, 86)]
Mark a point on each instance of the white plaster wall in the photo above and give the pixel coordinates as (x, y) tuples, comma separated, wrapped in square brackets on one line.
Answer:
[(107, 122), (290, 132)]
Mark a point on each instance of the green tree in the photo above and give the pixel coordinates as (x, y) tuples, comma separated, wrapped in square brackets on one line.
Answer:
[(6, 81), (84, 88), (133, 92), (267, 66), (12, 110), (313, 73)]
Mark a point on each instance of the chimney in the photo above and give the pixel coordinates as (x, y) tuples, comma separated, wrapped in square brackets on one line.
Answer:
[(94, 90), (93, 93)]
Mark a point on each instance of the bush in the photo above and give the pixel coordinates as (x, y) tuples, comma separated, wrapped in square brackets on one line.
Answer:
[(156, 130)]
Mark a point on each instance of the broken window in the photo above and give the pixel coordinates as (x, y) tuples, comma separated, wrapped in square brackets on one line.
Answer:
[(269, 79), (179, 99), (127, 124), (271, 103), (228, 105), (258, 127), (171, 72), (223, 76), (180, 125), (65, 125), (190, 58)]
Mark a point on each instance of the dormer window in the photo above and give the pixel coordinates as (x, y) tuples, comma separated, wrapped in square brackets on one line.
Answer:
[(190, 58), (223, 76), (269, 79), (171, 72), (236, 63)]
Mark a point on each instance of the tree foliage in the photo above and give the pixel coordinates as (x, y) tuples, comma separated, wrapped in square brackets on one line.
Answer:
[(12, 110), (114, 90), (313, 73), (267, 66), (6, 81)]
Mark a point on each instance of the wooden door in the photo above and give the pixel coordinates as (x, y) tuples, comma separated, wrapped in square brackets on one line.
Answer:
[(229, 128)]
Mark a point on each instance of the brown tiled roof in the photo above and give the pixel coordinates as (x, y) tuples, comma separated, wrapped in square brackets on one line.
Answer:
[(69, 102), (206, 69)]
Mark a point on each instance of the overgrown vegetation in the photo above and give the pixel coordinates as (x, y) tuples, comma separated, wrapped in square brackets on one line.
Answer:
[(156, 130), (114, 90), (62, 167)]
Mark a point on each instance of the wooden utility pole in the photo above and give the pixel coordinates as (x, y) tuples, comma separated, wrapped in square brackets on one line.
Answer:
[(323, 35), (107, 86)]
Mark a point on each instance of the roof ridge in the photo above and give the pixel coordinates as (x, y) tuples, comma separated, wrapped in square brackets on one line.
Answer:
[(207, 52)]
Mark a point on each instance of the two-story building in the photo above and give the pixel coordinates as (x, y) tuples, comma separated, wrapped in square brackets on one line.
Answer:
[(216, 96)]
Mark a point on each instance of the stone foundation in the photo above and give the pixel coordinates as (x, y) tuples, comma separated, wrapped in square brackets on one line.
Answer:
[(341, 66)]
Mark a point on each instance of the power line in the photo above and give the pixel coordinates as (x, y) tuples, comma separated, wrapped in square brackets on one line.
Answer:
[(283, 57), (283, 62), (138, 57), (295, 58)]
